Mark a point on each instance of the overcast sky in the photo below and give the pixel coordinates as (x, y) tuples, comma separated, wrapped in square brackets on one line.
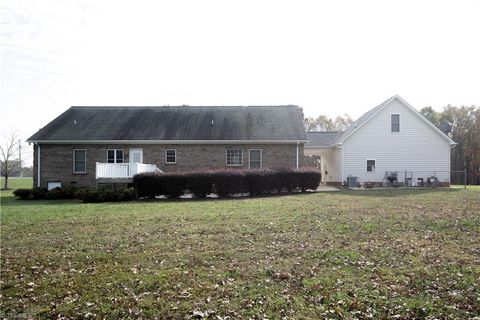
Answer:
[(329, 57)]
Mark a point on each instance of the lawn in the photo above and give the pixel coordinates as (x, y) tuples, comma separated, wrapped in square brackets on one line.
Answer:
[(353, 254)]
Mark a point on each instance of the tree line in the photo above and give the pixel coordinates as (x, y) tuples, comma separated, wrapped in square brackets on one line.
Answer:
[(324, 123), (462, 124)]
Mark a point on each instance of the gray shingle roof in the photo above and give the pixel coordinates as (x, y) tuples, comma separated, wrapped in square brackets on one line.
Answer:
[(322, 139), (176, 123)]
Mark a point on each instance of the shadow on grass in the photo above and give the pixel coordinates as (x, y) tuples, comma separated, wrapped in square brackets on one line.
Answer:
[(392, 192), (11, 201), (236, 198)]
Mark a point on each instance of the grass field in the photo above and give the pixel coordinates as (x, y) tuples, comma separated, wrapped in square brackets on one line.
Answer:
[(396, 254)]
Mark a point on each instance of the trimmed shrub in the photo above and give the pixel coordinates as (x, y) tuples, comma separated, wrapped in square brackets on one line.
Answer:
[(229, 182), (149, 185), (225, 182), (200, 183), (308, 179), (102, 195), (61, 193), (127, 194), (23, 194), (263, 181), (87, 195), (174, 184), (287, 179), (106, 195), (55, 194), (39, 193)]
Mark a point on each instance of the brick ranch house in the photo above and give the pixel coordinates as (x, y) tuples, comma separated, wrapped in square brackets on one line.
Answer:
[(86, 146)]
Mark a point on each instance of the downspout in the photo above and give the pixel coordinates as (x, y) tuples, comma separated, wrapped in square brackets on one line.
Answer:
[(343, 178), (341, 165), (296, 165), (38, 164)]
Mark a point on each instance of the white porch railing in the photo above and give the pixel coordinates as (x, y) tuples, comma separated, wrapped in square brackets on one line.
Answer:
[(122, 170)]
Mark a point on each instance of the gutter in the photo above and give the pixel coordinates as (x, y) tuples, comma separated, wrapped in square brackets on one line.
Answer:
[(167, 141), (38, 164), (296, 165), (318, 147)]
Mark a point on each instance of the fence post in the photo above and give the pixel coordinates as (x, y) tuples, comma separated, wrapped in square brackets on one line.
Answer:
[(465, 179)]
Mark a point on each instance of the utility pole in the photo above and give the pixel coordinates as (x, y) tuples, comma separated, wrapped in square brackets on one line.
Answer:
[(20, 157)]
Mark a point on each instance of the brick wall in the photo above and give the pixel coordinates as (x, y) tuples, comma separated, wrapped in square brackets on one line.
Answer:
[(57, 160)]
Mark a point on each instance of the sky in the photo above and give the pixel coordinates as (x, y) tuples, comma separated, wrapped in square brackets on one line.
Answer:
[(328, 57)]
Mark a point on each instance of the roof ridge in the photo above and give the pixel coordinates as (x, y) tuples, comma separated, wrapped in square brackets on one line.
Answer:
[(189, 106)]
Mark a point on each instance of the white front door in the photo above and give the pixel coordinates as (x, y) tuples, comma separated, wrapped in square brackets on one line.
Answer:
[(136, 155)]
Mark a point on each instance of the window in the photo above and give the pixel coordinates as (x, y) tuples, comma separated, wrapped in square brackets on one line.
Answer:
[(395, 123), (234, 157), (255, 158), (370, 165), (79, 161), (53, 184), (171, 156), (115, 155)]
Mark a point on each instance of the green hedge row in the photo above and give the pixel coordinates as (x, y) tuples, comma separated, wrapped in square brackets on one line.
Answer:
[(225, 183), (86, 195)]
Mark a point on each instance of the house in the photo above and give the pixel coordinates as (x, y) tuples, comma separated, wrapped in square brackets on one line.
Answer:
[(391, 138), (85, 146)]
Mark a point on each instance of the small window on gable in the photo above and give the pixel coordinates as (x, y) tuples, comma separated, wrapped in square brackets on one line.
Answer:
[(395, 123), (234, 157), (79, 161), (115, 156), (170, 156), (370, 165)]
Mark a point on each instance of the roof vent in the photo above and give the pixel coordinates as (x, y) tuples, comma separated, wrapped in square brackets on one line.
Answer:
[(75, 122)]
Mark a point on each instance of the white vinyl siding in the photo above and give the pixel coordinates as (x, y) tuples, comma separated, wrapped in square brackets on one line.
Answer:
[(234, 157), (330, 163), (417, 147)]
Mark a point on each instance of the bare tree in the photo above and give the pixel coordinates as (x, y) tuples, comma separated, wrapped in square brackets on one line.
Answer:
[(342, 122), (310, 124), (462, 124), (324, 123), (8, 153)]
